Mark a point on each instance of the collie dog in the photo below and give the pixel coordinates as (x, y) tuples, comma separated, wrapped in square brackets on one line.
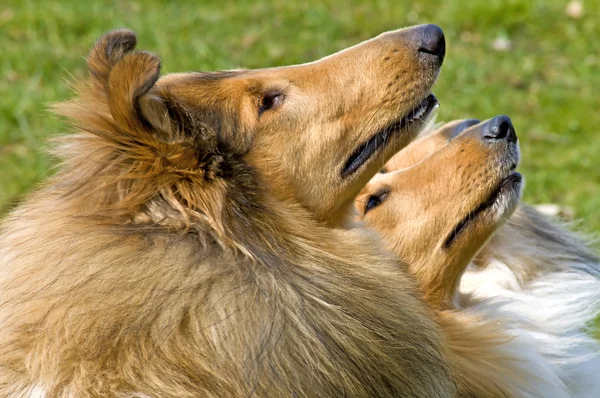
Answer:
[(534, 281), (188, 245)]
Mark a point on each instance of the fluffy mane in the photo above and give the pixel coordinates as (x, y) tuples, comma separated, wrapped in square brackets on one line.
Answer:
[(543, 281), (157, 263)]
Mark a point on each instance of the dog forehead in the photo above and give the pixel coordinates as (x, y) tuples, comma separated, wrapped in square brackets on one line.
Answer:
[(198, 81), (219, 88)]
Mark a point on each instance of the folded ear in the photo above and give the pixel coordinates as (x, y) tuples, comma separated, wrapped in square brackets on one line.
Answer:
[(140, 139), (139, 106), (107, 51), (149, 122), (129, 81), (125, 77)]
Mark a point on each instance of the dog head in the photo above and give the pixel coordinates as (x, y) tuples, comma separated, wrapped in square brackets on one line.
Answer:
[(441, 198), (311, 134)]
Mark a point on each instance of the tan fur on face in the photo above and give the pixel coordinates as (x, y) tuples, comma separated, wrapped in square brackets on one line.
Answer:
[(338, 102), (542, 281), (181, 250), (424, 203), (428, 188), (422, 148), (529, 243)]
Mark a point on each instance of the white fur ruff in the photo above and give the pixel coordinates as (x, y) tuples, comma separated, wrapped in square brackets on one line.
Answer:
[(547, 318)]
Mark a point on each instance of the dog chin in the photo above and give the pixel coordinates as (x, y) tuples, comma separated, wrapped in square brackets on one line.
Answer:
[(494, 211), (508, 197)]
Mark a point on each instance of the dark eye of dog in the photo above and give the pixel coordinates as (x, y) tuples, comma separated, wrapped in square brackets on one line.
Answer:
[(270, 101), (376, 200)]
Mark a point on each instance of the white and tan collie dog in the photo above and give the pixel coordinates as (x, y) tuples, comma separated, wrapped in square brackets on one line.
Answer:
[(436, 203)]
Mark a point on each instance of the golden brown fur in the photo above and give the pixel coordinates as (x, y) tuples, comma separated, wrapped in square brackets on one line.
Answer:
[(184, 248), (426, 190), (534, 280), (529, 243), (422, 205)]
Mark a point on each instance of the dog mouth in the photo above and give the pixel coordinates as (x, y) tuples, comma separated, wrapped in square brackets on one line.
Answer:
[(364, 152), (507, 191)]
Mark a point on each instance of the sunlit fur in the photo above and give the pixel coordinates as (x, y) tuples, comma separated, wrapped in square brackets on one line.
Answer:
[(184, 248), (538, 275), (534, 281), (546, 281)]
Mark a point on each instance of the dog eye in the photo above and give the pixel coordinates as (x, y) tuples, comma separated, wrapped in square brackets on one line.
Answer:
[(270, 101), (375, 200)]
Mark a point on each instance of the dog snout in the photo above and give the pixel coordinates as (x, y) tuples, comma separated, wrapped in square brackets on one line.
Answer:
[(499, 128), (461, 126), (432, 41)]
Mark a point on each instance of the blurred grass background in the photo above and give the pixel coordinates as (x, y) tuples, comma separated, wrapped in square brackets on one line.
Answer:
[(536, 61)]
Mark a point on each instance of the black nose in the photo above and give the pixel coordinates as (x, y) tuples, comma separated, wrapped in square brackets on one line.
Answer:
[(499, 128), (433, 41)]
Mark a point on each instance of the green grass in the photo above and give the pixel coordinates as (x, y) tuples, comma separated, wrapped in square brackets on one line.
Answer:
[(547, 81)]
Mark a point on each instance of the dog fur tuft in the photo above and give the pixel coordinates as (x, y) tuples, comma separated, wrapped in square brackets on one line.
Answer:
[(543, 282), (107, 51), (139, 153), (158, 262)]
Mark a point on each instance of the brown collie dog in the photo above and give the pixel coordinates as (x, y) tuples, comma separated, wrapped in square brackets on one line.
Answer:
[(187, 246), (534, 282)]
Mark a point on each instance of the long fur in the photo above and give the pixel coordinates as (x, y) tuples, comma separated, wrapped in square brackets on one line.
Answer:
[(517, 327), (159, 262), (543, 282)]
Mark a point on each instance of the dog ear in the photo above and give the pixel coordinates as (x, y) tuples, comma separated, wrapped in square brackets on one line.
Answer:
[(124, 77), (125, 83), (140, 139), (107, 51), (146, 115), (130, 79), (138, 105)]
